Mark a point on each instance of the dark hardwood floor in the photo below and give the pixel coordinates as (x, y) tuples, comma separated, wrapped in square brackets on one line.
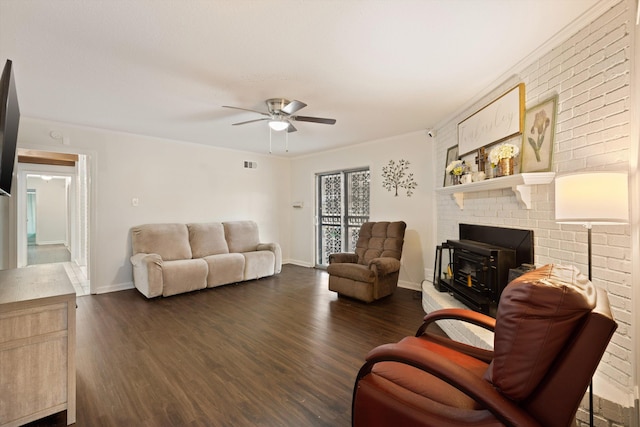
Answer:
[(279, 351)]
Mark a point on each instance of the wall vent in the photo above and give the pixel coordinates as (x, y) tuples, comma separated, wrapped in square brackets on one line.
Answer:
[(250, 165)]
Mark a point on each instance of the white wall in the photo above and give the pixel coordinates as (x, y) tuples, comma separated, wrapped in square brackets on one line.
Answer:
[(8, 234), (634, 169), (591, 73), (4, 233), (51, 210), (173, 181), (416, 211)]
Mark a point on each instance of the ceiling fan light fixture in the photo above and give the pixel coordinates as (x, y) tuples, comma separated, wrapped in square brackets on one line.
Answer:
[(278, 125)]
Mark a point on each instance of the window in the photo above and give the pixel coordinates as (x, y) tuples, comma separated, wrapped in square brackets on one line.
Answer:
[(343, 206)]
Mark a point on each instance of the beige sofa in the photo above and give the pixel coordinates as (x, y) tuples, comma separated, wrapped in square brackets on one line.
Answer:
[(169, 259)]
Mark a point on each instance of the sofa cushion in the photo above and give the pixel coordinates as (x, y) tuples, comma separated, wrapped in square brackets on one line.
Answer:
[(425, 384), (258, 264), (170, 241), (224, 269), (242, 236), (380, 239), (538, 312), (183, 276), (207, 239)]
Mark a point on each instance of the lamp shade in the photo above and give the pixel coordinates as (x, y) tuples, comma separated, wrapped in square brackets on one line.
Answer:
[(278, 125), (592, 198)]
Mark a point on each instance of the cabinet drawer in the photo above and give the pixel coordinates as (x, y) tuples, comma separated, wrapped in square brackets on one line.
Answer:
[(31, 322), (33, 378)]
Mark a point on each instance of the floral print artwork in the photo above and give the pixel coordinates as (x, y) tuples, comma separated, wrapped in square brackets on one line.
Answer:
[(537, 141)]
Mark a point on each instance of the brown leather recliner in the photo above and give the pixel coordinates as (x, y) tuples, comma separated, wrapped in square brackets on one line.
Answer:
[(372, 271), (551, 329)]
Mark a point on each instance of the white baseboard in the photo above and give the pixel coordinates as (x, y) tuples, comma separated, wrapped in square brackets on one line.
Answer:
[(113, 288), (51, 242), (298, 262), (409, 285)]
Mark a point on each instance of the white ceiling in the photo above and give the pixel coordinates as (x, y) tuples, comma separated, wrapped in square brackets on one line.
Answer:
[(165, 67)]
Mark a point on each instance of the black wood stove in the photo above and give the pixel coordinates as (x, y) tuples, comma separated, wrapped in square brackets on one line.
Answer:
[(479, 264)]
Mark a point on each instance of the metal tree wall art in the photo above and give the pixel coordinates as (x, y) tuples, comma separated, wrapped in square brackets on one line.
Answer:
[(395, 177)]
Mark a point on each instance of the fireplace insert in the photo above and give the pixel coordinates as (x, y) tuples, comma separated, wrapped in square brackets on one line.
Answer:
[(480, 264)]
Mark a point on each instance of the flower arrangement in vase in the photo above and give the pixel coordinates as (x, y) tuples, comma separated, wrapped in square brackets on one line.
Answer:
[(502, 156), (456, 168)]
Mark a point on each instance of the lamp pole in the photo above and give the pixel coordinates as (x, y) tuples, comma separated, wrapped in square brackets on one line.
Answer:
[(589, 198), (588, 225)]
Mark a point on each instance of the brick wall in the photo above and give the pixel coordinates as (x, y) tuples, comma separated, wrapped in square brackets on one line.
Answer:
[(605, 413), (590, 73)]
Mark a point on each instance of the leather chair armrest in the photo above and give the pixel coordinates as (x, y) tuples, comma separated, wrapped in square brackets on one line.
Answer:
[(464, 315), (475, 387), (385, 265), (343, 257)]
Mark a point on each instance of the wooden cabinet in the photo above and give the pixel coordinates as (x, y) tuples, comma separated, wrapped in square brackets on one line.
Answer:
[(37, 344)]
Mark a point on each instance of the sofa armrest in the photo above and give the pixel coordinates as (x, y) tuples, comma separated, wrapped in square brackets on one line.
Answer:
[(147, 274), (277, 251), (343, 257), (384, 265)]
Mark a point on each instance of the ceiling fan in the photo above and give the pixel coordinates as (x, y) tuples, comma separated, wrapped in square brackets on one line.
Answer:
[(281, 112)]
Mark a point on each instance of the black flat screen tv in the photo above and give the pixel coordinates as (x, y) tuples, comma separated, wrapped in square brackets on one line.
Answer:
[(9, 120)]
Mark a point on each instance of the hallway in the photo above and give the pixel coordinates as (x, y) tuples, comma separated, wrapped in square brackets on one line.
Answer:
[(49, 254)]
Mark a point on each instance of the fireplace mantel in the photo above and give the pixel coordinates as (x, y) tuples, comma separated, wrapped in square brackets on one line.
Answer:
[(520, 184)]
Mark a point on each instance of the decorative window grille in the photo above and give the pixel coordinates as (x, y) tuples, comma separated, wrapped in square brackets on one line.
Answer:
[(343, 206)]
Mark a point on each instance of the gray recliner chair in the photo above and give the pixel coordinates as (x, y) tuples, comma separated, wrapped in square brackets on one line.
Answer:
[(372, 271)]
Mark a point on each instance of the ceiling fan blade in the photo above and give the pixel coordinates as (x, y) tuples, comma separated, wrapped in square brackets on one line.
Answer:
[(291, 128), (293, 106), (246, 109), (314, 120), (249, 121)]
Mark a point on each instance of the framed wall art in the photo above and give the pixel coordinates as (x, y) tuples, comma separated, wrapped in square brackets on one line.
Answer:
[(538, 136), (498, 121), (452, 154)]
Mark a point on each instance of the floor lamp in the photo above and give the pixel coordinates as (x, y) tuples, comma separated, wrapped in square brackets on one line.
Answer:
[(592, 198)]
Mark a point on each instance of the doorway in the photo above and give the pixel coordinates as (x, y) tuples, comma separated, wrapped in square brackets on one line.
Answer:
[(47, 219), (342, 208), (52, 213)]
